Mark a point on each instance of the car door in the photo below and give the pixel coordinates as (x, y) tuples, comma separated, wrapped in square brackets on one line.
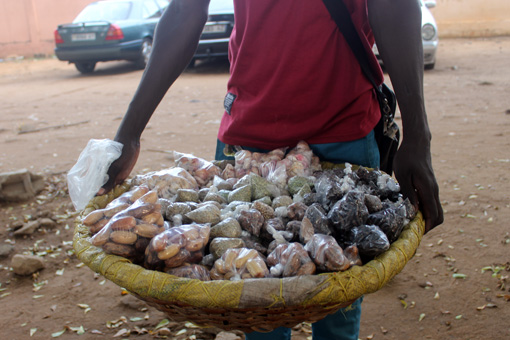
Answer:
[(151, 13)]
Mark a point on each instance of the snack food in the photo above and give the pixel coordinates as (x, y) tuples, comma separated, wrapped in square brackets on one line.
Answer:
[(128, 231), (290, 260), (177, 246), (239, 263), (275, 205)]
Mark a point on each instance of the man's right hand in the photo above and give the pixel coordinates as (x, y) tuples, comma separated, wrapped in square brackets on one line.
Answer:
[(122, 167)]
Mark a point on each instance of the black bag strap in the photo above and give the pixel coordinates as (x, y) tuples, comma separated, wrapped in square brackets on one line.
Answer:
[(342, 17)]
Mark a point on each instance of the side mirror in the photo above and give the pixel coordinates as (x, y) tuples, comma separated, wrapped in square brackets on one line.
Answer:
[(430, 3)]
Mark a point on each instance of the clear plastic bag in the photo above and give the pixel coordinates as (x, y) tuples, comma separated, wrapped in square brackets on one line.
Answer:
[(327, 254), (129, 231), (370, 240), (89, 173), (176, 246), (203, 171), (239, 264), (290, 260), (167, 181)]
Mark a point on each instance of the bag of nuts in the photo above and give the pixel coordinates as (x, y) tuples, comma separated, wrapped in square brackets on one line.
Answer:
[(177, 246), (191, 271), (290, 259), (129, 231), (327, 254), (97, 219), (203, 171), (239, 264)]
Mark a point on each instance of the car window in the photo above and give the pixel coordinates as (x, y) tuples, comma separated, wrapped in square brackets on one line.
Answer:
[(151, 9), (163, 3), (105, 11), (221, 5)]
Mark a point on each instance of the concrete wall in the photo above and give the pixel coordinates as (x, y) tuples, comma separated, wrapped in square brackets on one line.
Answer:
[(472, 18), (26, 26)]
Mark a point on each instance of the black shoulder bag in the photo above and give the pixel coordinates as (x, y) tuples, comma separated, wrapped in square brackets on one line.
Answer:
[(387, 133)]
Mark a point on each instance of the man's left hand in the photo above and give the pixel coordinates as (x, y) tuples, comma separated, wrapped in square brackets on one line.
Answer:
[(414, 173)]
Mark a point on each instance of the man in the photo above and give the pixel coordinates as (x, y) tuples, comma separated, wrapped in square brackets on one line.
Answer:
[(293, 77)]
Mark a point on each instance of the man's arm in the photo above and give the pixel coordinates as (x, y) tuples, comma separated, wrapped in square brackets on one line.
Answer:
[(397, 29), (175, 41)]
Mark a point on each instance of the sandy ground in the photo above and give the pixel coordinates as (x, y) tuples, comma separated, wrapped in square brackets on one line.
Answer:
[(49, 112)]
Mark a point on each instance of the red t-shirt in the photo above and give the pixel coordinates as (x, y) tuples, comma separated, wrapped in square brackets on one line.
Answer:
[(294, 77)]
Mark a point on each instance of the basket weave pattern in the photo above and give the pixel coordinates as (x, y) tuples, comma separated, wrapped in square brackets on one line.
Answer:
[(246, 305)]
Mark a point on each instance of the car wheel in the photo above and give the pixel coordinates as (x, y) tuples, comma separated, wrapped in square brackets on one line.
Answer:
[(145, 53), (85, 67), (192, 63), (430, 66)]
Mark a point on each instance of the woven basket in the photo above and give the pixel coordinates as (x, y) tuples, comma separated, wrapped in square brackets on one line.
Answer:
[(247, 305)]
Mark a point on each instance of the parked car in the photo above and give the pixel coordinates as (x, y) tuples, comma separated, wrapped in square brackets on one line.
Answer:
[(109, 30), (428, 33), (216, 34)]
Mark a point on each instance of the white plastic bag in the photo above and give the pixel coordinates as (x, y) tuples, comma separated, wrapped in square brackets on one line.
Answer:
[(89, 173)]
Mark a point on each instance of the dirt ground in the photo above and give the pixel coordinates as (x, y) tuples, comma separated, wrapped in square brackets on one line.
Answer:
[(456, 287)]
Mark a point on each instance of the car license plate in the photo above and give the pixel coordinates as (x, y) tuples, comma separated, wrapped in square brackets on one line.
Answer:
[(216, 28), (83, 36)]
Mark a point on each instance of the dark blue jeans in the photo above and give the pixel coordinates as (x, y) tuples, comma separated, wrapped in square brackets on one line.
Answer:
[(345, 323), (342, 325)]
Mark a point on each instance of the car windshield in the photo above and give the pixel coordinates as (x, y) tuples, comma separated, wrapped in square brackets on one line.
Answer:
[(221, 5), (163, 3), (105, 11)]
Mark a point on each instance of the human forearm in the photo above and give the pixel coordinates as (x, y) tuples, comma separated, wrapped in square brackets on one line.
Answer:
[(397, 29), (175, 42)]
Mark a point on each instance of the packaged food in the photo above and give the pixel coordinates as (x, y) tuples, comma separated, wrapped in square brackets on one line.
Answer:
[(290, 259), (317, 216), (203, 171), (239, 263), (128, 232), (177, 246), (327, 254), (370, 240), (167, 181), (390, 220), (97, 219), (251, 220), (191, 271), (348, 212)]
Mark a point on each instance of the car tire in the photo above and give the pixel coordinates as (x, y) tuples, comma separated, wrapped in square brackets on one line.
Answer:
[(192, 63), (145, 53), (85, 68), (430, 66)]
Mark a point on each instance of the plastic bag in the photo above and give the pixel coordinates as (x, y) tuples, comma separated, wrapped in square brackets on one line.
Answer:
[(203, 171), (177, 246), (191, 271), (89, 173), (349, 212), (97, 219), (290, 260), (370, 240), (300, 161), (253, 162), (129, 232), (390, 220), (239, 264), (327, 254), (167, 181)]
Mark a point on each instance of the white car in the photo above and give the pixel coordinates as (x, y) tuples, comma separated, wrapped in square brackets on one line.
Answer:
[(428, 33)]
